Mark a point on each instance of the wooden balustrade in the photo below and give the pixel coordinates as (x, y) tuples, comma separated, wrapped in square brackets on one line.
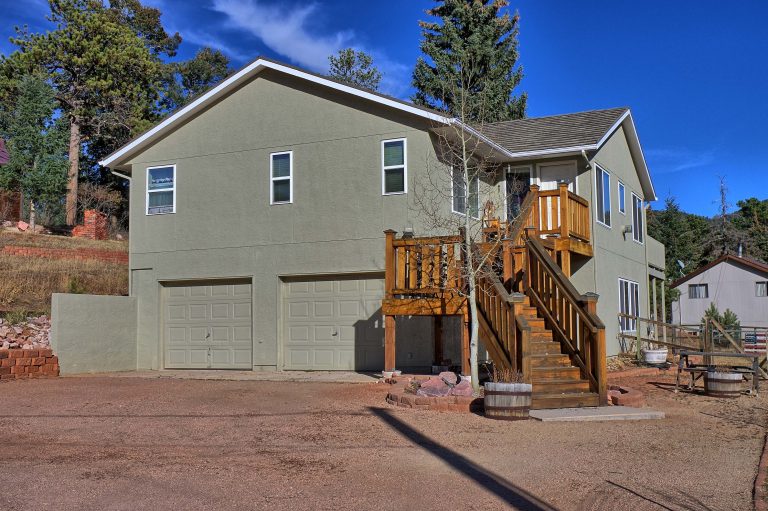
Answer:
[(561, 212), (571, 316), (422, 266)]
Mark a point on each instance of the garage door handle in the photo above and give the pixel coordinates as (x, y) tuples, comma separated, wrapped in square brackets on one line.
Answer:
[(335, 332)]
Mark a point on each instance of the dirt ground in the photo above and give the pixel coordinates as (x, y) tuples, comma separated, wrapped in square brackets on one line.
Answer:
[(133, 443)]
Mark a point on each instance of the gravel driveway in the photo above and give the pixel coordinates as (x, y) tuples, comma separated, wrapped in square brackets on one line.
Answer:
[(133, 443)]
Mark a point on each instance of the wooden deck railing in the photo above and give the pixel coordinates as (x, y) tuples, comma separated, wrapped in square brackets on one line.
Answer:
[(421, 266), (571, 316), (562, 212)]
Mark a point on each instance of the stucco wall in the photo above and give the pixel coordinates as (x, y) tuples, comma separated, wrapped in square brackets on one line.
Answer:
[(730, 287), (92, 333), (224, 225)]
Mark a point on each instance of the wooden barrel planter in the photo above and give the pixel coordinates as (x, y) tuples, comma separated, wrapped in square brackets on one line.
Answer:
[(507, 401), (720, 384)]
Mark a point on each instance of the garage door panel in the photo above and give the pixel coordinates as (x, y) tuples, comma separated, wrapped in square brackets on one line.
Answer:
[(208, 326), (333, 324)]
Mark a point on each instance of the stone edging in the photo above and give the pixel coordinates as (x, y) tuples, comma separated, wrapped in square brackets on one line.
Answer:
[(441, 404), (759, 495)]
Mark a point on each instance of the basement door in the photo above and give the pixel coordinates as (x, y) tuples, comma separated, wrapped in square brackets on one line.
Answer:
[(207, 325), (333, 324)]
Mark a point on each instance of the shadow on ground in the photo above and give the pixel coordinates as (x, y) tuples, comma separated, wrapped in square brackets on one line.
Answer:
[(502, 488)]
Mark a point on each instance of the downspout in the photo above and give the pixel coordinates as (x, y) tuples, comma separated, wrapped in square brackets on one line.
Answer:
[(591, 216), (130, 185)]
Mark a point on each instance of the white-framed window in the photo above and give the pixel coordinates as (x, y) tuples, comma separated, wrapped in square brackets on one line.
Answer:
[(761, 288), (622, 199), (629, 304), (603, 203), (394, 167), (698, 291), (463, 199), (161, 190), (281, 178), (637, 219)]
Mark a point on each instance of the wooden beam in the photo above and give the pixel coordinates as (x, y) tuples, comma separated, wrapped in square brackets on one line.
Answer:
[(454, 306), (389, 343)]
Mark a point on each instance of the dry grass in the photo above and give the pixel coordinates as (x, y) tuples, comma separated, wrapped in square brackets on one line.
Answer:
[(51, 241), (27, 282)]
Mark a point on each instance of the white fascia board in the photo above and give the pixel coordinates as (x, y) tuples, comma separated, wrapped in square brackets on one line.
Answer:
[(245, 74), (552, 152), (634, 146)]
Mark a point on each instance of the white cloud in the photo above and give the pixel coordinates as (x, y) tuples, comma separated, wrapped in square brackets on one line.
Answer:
[(285, 30), (668, 161), (201, 38)]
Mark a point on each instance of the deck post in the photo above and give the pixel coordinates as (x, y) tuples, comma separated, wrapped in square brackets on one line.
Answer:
[(509, 264), (437, 324), (564, 219), (600, 364), (389, 262), (389, 343), (664, 310), (465, 368)]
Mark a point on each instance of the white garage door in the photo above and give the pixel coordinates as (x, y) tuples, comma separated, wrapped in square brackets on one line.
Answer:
[(208, 325), (333, 324)]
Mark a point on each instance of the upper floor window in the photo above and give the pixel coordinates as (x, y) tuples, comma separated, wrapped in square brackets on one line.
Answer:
[(394, 173), (281, 178), (161, 190), (698, 291), (761, 288), (462, 198), (603, 196), (622, 198), (637, 219)]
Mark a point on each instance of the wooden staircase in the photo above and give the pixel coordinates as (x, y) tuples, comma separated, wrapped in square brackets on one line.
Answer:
[(557, 383)]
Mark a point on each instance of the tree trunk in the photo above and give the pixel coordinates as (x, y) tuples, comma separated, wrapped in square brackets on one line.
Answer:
[(473, 339), (74, 171), (32, 216)]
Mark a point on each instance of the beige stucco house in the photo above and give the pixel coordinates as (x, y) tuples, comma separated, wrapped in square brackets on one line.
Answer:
[(258, 211)]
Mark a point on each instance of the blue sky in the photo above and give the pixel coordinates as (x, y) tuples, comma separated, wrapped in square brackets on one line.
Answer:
[(694, 72)]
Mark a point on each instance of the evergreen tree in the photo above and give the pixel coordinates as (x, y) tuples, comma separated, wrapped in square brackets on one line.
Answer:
[(355, 68), (104, 72), (185, 80), (474, 48), (37, 144)]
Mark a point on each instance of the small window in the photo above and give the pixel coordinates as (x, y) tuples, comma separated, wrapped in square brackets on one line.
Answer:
[(696, 291), (281, 176), (460, 198), (761, 288), (161, 190), (622, 199), (394, 176), (637, 219), (603, 197)]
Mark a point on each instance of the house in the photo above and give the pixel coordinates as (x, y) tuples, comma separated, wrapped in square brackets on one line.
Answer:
[(730, 282), (258, 214)]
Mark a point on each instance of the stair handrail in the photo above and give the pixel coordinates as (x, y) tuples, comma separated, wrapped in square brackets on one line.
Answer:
[(585, 346)]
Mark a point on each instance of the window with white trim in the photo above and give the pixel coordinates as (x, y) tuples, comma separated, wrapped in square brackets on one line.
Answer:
[(698, 291), (394, 172), (629, 304), (761, 288), (462, 199), (622, 199), (637, 218), (161, 190), (603, 186), (281, 178)]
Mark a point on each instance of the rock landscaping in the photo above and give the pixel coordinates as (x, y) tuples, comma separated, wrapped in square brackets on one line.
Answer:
[(446, 392), (31, 334), (25, 350)]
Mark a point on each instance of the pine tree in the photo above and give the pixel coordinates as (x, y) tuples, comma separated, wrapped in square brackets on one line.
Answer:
[(473, 47), (37, 143), (355, 68), (183, 81)]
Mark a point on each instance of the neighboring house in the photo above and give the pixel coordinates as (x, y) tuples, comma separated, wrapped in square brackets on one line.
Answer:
[(257, 215), (730, 282)]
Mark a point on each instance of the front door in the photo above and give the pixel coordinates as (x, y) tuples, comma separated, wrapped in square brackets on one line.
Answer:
[(552, 174), (518, 185)]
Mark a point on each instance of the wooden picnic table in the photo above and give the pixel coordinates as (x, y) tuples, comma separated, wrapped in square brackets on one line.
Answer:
[(697, 370)]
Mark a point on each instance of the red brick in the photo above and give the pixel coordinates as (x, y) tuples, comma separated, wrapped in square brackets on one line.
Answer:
[(23, 362), (51, 360), (38, 361), (15, 353), (7, 376), (46, 352), (16, 370), (8, 362), (5, 370), (3, 354), (32, 353)]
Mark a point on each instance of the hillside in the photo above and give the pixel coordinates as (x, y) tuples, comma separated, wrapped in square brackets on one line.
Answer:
[(32, 266)]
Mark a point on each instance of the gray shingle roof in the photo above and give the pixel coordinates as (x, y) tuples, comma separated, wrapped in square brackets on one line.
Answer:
[(553, 132)]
